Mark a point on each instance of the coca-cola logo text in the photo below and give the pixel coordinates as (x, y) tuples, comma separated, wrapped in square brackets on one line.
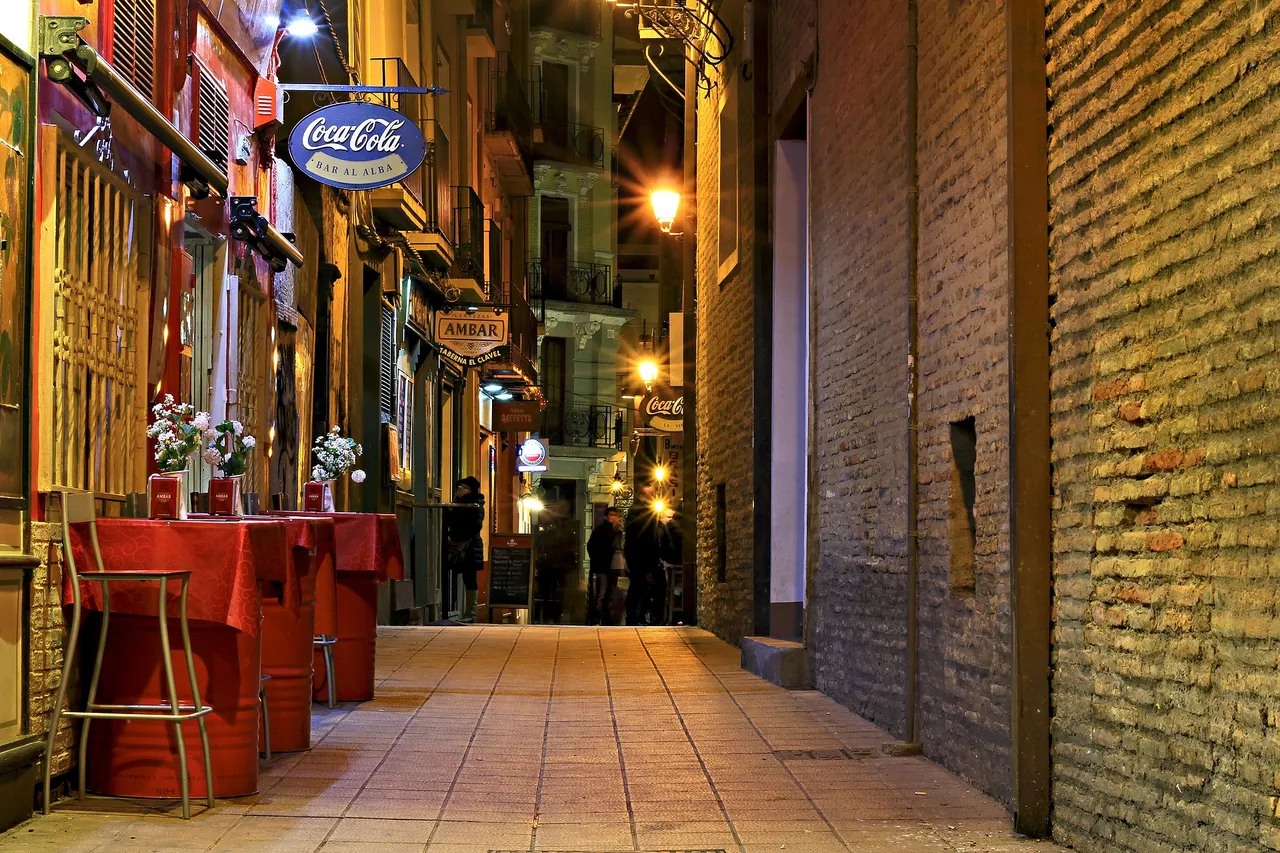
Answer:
[(657, 407), (372, 134)]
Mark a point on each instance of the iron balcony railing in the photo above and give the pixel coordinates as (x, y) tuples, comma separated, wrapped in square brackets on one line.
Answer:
[(509, 107), (583, 426), (585, 284), (468, 239), (391, 71), (581, 17), (523, 320), (483, 17), (493, 265)]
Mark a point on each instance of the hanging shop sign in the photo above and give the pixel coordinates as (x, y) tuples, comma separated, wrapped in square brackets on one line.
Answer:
[(357, 145), (663, 409), (470, 339), (532, 457), (518, 416)]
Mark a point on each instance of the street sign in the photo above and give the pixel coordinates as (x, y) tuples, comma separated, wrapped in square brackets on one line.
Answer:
[(663, 409), (357, 145), (518, 416), (532, 457), (471, 338)]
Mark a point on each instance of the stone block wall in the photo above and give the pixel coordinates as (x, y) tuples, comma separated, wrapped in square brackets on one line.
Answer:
[(1165, 214)]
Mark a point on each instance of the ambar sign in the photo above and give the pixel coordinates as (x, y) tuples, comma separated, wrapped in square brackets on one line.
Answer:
[(471, 338)]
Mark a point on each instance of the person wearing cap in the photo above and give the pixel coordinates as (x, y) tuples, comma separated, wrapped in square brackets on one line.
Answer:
[(464, 544)]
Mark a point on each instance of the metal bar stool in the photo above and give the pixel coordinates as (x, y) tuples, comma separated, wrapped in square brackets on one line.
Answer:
[(266, 715), (325, 643), (78, 507)]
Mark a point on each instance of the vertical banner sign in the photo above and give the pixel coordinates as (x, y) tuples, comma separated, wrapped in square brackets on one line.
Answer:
[(355, 145)]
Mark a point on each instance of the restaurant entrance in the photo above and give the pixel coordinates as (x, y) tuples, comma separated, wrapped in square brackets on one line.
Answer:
[(558, 596)]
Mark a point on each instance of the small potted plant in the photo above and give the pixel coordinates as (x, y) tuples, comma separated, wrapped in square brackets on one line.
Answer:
[(228, 451), (177, 429), (334, 456)]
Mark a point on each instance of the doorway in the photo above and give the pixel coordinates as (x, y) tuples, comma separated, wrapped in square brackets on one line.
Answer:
[(555, 88), (789, 460), (556, 229), (556, 544)]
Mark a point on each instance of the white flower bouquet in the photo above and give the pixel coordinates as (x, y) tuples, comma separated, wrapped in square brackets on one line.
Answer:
[(335, 456), (177, 429), (228, 448)]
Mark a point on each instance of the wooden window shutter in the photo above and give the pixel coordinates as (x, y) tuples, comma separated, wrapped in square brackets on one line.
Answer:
[(387, 366), (133, 43), (213, 117)]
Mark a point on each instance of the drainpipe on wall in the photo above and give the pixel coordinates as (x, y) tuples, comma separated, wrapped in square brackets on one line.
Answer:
[(913, 370)]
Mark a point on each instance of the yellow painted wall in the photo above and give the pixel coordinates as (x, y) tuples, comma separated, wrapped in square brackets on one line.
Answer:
[(17, 23)]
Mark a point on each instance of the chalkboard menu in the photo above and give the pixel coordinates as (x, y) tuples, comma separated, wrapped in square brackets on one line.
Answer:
[(511, 571)]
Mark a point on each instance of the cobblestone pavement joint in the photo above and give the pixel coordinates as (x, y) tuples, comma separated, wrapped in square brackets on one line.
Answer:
[(566, 739)]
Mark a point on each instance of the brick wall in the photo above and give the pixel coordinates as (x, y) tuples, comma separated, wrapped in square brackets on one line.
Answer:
[(724, 375), (1165, 215), (859, 207), (48, 641), (858, 202)]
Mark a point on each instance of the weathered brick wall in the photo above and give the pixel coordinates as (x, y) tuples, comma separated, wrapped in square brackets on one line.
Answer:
[(859, 198), (724, 376), (1165, 215), (858, 202), (964, 652), (48, 641)]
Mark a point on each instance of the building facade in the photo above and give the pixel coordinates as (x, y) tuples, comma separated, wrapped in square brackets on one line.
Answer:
[(573, 270)]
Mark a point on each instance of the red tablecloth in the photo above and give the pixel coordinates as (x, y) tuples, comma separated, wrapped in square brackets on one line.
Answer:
[(226, 560), (365, 542)]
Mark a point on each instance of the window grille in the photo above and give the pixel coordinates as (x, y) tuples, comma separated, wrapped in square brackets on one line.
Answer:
[(251, 372), (133, 43), (213, 118), (96, 423)]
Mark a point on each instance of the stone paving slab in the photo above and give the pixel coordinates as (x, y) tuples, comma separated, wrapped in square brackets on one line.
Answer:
[(499, 738)]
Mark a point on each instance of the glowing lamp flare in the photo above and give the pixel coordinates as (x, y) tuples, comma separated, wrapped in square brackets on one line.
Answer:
[(301, 25), (649, 372), (666, 204), (660, 474)]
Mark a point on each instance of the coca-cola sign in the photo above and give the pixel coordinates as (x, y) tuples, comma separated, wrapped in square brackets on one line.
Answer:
[(357, 145), (663, 409)]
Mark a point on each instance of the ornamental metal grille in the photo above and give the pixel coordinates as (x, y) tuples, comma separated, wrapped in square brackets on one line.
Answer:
[(96, 424), (251, 372), (133, 43)]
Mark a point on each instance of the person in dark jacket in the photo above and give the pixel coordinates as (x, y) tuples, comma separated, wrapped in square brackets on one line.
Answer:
[(643, 549), (605, 542), (464, 544)]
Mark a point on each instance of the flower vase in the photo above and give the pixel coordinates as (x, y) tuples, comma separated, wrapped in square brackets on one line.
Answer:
[(224, 495), (167, 494), (317, 496)]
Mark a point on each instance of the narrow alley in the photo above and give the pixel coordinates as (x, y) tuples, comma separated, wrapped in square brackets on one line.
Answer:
[(543, 738)]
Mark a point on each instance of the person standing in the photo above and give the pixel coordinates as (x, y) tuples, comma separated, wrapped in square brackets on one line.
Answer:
[(643, 550), (604, 550), (464, 544)]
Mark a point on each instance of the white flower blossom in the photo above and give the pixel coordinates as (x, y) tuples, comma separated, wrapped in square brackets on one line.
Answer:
[(212, 456), (201, 421), (250, 441), (357, 476)]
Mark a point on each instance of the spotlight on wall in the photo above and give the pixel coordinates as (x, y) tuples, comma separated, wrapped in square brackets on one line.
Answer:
[(492, 387)]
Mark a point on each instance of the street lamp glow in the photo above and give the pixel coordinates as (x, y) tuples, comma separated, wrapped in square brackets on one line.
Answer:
[(301, 25), (531, 503), (649, 371), (492, 387), (659, 506), (504, 396), (660, 474), (666, 204)]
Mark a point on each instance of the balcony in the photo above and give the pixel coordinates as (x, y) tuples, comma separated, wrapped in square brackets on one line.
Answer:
[(577, 17), (567, 142), (480, 31), (508, 127), (468, 271), (431, 235), (581, 284), (520, 362), (599, 427)]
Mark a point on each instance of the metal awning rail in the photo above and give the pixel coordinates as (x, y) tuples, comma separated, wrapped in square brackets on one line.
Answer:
[(101, 87)]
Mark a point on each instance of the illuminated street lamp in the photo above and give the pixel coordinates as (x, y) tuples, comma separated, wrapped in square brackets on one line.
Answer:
[(666, 204), (649, 372), (660, 474)]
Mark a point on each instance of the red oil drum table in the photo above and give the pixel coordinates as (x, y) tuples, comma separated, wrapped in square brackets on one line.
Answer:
[(227, 562), (366, 552)]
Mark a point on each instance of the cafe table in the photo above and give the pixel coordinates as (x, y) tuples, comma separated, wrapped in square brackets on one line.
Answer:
[(366, 553), (228, 564), (289, 629)]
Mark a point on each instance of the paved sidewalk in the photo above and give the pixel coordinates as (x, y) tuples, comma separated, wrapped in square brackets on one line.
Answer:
[(577, 739)]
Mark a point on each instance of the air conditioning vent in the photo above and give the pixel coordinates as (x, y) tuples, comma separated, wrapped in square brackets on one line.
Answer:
[(133, 43), (213, 118)]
